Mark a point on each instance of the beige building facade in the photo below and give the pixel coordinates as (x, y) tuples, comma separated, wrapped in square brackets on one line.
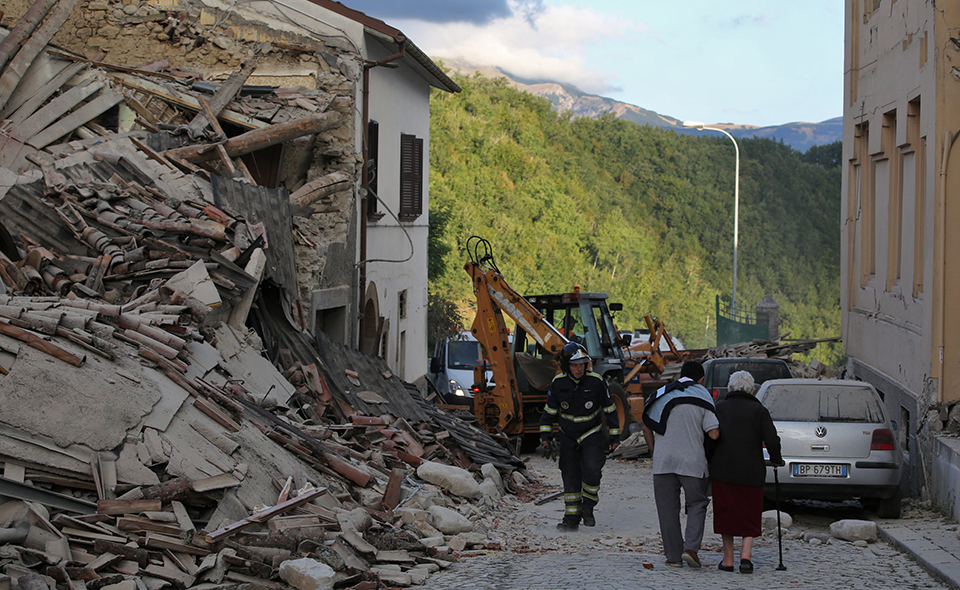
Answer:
[(900, 236)]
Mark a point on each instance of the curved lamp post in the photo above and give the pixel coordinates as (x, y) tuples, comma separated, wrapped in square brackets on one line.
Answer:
[(736, 200)]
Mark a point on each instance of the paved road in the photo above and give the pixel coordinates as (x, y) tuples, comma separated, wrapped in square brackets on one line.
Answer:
[(623, 551)]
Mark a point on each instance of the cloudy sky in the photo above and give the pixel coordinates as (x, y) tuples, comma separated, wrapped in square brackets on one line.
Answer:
[(756, 62)]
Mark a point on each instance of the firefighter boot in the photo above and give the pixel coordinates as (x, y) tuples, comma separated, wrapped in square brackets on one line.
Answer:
[(587, 515), (568, 526)]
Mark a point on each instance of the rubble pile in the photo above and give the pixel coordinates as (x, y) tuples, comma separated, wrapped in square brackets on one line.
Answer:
[(149, 437), (779, 349)]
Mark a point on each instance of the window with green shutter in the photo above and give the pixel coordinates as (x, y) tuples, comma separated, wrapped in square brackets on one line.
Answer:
[(411, 176)]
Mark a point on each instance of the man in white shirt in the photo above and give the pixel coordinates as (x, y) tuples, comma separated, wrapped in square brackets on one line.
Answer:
[(674, 424)]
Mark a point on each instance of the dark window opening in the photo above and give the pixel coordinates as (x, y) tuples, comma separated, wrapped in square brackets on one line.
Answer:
[(373, 160)]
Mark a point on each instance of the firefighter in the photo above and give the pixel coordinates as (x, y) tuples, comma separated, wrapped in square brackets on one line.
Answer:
[(580, 400)]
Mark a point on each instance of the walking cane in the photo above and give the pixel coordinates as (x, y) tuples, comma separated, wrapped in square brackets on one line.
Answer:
[(776, 485)]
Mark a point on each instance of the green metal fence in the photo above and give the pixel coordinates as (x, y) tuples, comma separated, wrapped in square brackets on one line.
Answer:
[(734, 327)]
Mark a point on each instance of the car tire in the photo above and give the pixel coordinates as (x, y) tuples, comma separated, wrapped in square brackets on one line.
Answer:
[(619, 397), (890, 507)]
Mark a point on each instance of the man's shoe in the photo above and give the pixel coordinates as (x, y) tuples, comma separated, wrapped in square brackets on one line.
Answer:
[(690, 558), (587, 516), (568, 527), (675, 563)]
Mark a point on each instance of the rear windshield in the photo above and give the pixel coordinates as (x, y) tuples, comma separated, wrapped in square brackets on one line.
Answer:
[(464, 354), (761, 372), (823, 403)]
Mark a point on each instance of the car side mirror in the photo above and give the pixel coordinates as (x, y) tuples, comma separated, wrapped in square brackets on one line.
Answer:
[(435, 365), (894, 424)]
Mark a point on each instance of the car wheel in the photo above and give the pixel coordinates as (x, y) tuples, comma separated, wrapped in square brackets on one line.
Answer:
[(619, 398), (890, 507)]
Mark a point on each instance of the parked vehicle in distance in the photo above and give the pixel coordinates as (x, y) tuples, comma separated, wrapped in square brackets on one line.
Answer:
[(643, 335), (717, 372), (451, 368), (837, 442)]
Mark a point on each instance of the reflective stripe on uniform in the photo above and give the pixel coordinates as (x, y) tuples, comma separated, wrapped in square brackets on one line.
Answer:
[(546, 428), (571, 497), (609, 409), (551, 411), (588, 433), (580, 418), (575, 509), (614, 432)]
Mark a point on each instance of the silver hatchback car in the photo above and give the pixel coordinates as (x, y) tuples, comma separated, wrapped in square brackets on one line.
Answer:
[(836, 441)]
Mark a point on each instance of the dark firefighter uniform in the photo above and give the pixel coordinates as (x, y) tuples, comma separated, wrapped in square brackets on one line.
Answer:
[(580, 407)]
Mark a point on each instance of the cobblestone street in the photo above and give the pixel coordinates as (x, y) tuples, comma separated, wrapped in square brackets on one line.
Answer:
[(623, 551)]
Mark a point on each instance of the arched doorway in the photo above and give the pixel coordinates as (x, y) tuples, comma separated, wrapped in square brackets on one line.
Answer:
[(370, 326)]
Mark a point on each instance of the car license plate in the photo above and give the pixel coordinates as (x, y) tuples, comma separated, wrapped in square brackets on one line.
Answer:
[(819, 470)]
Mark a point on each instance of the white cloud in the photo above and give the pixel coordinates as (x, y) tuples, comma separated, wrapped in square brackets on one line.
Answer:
[(547, 44)]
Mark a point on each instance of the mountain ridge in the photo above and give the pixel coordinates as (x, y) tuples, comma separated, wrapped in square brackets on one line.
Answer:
[(799, 135)]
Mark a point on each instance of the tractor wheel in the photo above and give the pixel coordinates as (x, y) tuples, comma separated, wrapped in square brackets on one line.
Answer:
[(619, 397)]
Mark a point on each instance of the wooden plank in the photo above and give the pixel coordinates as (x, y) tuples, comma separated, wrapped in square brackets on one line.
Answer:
[(92, 109), (222, 97), (32, 103), (264, 515), (289, 522), (118, 507), (185, 100), (137, 524), (155, 541), (77, 533), (24, 28), (31, 48), (219, 416), (55, 109)]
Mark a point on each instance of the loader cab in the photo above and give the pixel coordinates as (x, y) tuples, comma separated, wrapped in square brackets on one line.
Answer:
[(581, 317)]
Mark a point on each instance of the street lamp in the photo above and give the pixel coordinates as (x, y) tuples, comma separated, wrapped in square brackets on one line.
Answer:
[(736, 200)]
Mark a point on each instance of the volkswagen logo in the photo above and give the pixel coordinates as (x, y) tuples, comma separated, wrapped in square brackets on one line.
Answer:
[(820, 432)]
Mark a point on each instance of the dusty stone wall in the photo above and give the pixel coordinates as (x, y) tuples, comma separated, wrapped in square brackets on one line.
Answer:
[(195, 38)]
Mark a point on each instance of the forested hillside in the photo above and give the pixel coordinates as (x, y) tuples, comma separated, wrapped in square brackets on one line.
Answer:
[(642, 213)]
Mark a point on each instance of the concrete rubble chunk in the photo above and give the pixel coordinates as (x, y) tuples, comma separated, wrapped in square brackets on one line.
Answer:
[(854, 530), (432, 541), (307, 574), (768, 520), (418, 576), (457, 543), (490, 490), (449, 522), (454, 479), (490, 471)]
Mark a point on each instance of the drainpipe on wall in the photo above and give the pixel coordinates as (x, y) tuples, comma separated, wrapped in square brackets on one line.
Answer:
[(365, 177), (948, 139)]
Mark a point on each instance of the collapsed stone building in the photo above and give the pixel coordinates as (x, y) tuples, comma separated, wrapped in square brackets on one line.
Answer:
[(189, 207), (361, 252)]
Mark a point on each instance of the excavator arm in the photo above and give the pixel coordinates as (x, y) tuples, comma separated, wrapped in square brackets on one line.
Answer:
[(519, 309), (500, 408)]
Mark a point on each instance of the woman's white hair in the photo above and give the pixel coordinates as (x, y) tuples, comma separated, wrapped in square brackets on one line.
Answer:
[(741, 381)]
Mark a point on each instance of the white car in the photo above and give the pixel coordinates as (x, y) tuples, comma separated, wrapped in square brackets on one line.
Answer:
[(837, 442)]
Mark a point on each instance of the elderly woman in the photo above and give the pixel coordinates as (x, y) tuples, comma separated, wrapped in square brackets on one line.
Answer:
[(737, 469)]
